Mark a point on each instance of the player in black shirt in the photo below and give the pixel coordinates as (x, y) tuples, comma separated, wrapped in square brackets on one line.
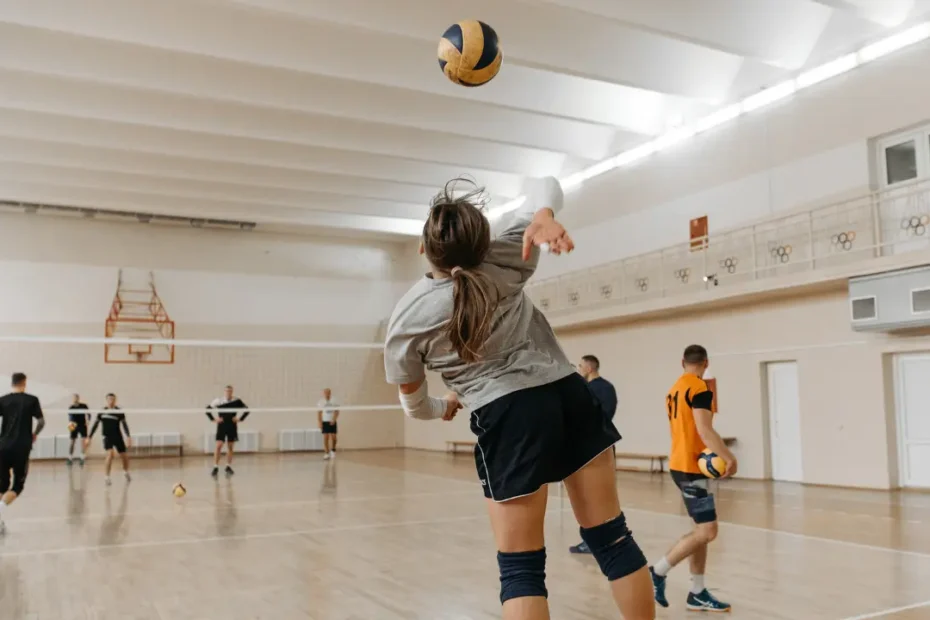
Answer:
[(78, 420), (17, 410), (606, 397), (112, 417), (227, 429)]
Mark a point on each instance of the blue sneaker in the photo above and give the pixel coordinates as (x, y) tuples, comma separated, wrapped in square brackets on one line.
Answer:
[(705, 601), (658, 588), (581, 547)]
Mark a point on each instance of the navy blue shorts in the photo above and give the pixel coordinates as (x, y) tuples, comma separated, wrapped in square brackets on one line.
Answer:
[(696, 493)]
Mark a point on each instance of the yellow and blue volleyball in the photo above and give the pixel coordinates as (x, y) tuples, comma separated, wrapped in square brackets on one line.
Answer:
[(711, 465), (179, 490), (72, 426), (469, 53)]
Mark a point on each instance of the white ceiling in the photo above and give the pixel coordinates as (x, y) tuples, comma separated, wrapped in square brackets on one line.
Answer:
[(320, 114)]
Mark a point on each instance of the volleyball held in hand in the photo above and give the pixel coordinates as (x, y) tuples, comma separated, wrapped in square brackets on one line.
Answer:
[(72, 426), (711, 465), (179, 490), (469, 53)]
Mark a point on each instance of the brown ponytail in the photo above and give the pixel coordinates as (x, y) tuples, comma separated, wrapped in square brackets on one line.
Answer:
[(456, 238)]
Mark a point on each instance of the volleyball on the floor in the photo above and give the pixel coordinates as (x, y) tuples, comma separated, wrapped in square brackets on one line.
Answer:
[(711, 465), (72, 426), (469, 53), (179, 490)]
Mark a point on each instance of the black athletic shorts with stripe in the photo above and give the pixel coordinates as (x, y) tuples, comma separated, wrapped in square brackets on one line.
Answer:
[(697, 495), (537, 436)]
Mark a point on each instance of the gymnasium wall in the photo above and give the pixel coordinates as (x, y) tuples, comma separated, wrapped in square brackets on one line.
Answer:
[(844, 413), (59, 276), (810, 149)]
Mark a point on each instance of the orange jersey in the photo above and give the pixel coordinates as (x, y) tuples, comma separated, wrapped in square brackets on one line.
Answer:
[(689, 393)]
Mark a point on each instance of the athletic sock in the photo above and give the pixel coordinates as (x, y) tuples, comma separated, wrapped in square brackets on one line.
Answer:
[(697, 584), (662, 567)]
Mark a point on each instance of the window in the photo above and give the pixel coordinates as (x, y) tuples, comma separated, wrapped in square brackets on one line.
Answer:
[(901, 162), (904, 156)]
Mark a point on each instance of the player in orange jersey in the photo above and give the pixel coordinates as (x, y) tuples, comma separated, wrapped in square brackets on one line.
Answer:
[(691, 422)]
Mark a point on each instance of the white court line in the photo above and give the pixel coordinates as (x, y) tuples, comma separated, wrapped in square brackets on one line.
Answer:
[(888, 612), (181, 509), (626, 508), (212, 539)]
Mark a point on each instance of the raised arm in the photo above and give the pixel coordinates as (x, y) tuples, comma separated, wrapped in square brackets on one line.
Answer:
[(515, 250)]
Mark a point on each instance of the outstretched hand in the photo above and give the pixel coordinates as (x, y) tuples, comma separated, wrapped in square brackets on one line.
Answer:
[(544, 229)]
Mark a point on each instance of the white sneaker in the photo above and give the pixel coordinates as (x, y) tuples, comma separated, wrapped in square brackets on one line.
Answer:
[(2, 527), (128, 477), (107, 481), (327, 456), (332, 455)]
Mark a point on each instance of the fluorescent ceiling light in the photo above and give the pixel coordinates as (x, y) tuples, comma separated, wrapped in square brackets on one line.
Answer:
[(574, 181), (895, 42), (724, 115), (828, 70), (507, 207), (769, 95), (719, 117)]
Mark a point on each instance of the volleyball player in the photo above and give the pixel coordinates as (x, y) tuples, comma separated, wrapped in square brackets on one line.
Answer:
[(111, 418), (535, 419), (328, 416), (227, 427), (606, 396), (691, 423), (81, 421), (17, 410)]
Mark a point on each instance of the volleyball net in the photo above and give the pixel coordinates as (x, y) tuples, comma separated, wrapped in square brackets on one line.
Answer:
[(281, 382)]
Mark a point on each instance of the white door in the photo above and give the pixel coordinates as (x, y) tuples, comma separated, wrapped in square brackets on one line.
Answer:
[(785, 421), (912, 401)]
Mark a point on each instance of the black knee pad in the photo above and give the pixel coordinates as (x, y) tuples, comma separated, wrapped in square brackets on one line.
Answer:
[(613, 547), (522, 574)]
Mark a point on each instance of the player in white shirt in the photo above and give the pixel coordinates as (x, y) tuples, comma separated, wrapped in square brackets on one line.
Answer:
[(327, 416)]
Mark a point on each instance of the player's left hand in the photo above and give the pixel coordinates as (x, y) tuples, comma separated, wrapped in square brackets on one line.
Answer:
[(235, 419), (452, 406), (544, 229)]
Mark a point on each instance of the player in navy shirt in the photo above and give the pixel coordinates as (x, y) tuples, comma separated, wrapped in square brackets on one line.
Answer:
[(606, 397)]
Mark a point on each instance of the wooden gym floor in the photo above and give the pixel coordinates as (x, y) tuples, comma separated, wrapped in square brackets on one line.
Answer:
[(395, 534)]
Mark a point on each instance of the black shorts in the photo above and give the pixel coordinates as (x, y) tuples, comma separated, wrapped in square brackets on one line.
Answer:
[(79, 431), (330, 428), (227, 431), (16, 461), (697, 495), (115, 443), (538, 435)]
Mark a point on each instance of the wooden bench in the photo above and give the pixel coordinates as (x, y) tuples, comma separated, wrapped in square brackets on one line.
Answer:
[(453, 446), (656, 461)]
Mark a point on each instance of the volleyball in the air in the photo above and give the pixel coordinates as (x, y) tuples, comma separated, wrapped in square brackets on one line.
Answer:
[(179, 490), (469, 53), (72, 426), (711, 465)]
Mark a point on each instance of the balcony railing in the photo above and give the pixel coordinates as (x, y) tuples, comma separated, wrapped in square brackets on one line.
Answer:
[(884, 223)]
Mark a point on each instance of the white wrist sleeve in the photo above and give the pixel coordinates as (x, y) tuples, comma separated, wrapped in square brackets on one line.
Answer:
[(421, 405)]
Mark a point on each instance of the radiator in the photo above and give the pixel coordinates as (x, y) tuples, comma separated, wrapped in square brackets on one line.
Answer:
[(44, 448), (300, 440)]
